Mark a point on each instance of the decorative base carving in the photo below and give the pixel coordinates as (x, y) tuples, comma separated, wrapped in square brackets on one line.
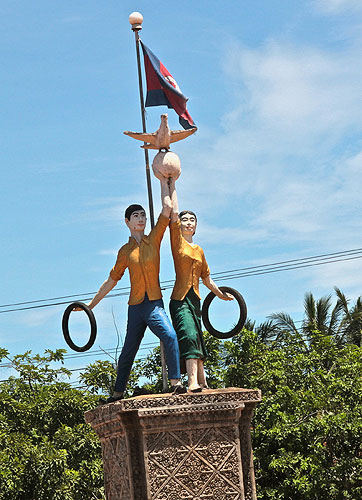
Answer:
[(186, 447)]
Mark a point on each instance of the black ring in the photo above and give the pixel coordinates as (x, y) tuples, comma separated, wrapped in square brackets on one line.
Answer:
[(242, 318), (65, 327)]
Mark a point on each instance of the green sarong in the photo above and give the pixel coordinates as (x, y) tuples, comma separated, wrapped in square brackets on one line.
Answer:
[(186, 320)]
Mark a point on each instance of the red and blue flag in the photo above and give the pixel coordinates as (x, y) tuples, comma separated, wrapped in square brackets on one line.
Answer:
[(162, 88)]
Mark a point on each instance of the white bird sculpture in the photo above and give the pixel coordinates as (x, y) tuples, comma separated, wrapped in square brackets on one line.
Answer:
[(163, 137)]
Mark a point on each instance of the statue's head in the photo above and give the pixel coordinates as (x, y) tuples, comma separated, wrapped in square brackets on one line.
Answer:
[(135, 217), (188, 221)]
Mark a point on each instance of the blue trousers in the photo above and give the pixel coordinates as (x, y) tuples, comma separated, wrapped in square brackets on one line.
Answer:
[(150, 313)]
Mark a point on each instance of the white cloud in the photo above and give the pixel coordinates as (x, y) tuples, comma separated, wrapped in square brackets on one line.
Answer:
[(70, 165), (108, 252), (346, 274), (286, 167), (302, 92), (207, 233), (38, 317), (110, 210), (337, 6)]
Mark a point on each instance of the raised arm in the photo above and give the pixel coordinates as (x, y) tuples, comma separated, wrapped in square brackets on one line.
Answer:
[(165, 197), (209, 283), (174, 200)]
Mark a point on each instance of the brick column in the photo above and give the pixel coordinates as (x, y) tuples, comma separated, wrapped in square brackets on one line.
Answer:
[(186, 447)]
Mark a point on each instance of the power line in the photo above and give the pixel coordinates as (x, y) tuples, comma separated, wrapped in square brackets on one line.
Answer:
[(282, 268), (303, 340), (112, 350), (262, 269), (149, 345), (56, 298), (319, 257)]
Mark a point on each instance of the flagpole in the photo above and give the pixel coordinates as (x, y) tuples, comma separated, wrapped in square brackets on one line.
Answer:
[(136, 20)]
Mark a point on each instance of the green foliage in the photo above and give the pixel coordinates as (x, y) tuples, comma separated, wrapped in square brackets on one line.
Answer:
[(150, 369), (47, 452), (213, 362), (307, 431), (308, 428), (351, 326), (99, 377)]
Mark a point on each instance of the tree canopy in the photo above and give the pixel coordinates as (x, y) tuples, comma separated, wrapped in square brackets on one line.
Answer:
[(307, 431), (47, 451)]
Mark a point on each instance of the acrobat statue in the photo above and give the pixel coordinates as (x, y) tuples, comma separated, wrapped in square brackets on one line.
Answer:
[(190, 265), (141, 255)]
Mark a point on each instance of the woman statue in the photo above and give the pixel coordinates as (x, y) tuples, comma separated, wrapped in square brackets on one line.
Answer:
[(190, 266)]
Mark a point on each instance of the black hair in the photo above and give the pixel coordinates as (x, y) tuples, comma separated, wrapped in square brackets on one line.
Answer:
[(187, 212), (132, 208)]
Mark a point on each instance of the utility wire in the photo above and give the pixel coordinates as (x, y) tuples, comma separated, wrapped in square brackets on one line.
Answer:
[(295, 342), (286, 265), (327, 255), (303, 340), (149, 345), (56, 298), (304, 337), (220, 276), (144, 347), (281, 268), (227, 275)]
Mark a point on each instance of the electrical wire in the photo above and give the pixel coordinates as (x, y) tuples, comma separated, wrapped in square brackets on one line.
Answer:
[(281, 268), (56, 298), (301, 341), (262, 269), (99, 352)]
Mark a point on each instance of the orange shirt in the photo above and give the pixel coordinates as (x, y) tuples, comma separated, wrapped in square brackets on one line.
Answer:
[(143, 262), (190, 263)]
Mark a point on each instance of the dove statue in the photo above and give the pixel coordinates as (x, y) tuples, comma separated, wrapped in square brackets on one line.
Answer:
[(163, 137)]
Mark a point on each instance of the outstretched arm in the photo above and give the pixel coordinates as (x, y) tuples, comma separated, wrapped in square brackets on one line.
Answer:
[(106, 287), (215, 289)]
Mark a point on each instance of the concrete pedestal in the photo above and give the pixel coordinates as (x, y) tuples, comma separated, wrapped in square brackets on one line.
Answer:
[(187, 447)]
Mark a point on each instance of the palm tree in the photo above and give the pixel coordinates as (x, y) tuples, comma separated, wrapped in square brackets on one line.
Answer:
[(341, 322), (282, 325), (319, 317), (267, 332), (350, 327)]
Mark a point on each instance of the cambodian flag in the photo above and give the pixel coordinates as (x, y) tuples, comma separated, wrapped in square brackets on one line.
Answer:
[(162, 88)]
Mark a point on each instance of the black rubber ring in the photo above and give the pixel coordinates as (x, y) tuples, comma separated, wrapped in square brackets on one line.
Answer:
[(65, 327), (242, 318)]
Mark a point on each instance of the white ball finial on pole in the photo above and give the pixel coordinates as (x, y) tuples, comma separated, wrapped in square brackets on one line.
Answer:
[(136, 20)]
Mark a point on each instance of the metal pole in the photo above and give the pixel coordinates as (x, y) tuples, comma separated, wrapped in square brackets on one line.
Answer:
[(136, 27), (143, 113)]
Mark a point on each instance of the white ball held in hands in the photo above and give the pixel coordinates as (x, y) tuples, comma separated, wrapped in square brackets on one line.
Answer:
[(166, 164)]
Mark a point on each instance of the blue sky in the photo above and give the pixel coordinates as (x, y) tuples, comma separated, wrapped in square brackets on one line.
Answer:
[(273, 172)]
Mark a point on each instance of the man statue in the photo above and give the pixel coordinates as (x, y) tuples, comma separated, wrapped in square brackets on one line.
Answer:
[(141, 255)]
